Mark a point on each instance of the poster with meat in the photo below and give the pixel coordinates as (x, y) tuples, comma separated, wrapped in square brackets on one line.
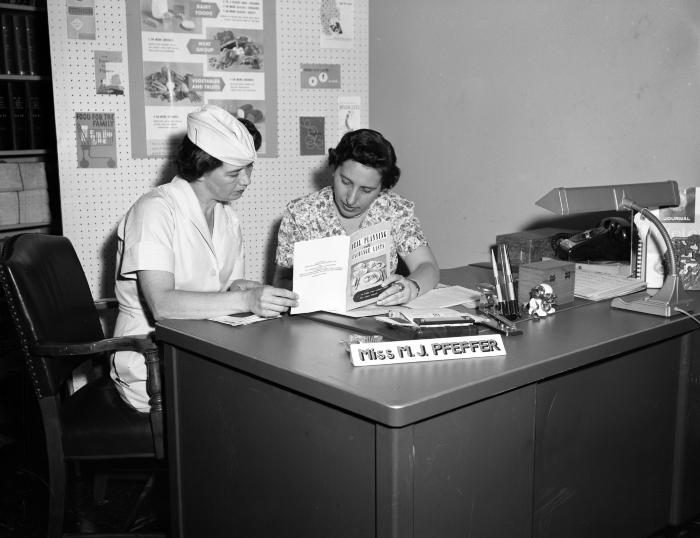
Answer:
[(185, 53)]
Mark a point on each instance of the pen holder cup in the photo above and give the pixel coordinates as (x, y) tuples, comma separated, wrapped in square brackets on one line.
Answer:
[(510, 309)]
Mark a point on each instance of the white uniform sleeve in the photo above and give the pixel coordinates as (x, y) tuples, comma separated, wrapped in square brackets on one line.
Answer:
[(147, 233)]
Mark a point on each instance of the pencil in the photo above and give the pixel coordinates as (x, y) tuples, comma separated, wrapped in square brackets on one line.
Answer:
[(495, 278), (507, 275)]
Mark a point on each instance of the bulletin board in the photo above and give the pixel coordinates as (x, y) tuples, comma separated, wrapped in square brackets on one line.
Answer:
[(322, 90)]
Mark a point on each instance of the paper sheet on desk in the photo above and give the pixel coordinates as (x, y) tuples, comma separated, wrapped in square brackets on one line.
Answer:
[(444, 296), (410, 315), (409, 312), (434, 300), (237, 320), (437, 312), (599, 286), (363, 311)]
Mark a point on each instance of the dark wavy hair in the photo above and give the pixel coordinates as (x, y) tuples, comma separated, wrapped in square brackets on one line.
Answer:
[(192, 162), (370, 148)]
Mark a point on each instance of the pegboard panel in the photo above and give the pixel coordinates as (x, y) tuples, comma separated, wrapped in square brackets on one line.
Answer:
[(94, 200)]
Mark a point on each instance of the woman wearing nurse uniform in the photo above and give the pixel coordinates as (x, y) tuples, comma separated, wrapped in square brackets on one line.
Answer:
[(180, 250)]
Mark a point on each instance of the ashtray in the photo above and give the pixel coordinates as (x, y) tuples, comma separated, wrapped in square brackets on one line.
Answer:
[(361, 339)]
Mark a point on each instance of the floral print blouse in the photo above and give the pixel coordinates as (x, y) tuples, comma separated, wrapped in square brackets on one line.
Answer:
[(314, 216)]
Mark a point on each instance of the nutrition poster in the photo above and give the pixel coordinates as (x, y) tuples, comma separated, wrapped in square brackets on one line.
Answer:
[(96, 140), (184, 54)]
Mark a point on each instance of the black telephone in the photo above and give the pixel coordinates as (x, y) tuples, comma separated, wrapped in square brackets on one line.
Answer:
[(611, 240)]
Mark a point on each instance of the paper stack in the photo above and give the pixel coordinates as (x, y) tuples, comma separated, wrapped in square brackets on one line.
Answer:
[(596, 286), (444, 296)]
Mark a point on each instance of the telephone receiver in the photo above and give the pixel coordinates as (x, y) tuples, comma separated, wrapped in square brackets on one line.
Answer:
[(610, 240)]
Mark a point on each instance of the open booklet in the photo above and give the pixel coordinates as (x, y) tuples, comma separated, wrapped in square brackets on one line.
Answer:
[(341, 273)]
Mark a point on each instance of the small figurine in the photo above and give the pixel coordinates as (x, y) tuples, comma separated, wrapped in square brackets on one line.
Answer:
[(541, 301)]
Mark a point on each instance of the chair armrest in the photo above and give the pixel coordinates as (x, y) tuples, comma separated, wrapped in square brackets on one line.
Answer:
[(154, 390), (140, 343)]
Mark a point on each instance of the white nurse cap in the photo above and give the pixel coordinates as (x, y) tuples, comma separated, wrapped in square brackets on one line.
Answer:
[(221, 135)]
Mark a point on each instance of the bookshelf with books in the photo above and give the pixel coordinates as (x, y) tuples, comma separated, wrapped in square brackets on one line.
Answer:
[(27, 132)]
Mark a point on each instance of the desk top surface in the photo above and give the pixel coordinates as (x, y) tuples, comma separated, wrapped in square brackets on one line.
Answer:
[(308, 356)]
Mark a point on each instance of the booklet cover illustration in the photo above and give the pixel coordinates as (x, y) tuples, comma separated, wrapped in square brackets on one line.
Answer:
[(341, 273)]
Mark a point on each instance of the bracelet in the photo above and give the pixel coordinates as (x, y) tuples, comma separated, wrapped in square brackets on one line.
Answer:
[(415, 284)]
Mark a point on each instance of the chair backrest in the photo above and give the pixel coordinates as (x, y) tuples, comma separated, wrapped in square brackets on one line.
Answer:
[(49, 301)]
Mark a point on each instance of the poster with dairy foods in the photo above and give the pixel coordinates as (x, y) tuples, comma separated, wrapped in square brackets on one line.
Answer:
[(184, 54)]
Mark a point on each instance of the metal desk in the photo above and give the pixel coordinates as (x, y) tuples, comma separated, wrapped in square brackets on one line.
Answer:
[(589, 426)]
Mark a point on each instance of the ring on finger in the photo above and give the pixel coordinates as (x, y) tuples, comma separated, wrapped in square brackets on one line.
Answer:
[(400, 286)]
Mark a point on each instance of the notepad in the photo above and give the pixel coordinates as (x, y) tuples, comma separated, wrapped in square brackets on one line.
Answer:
[(596, 286)]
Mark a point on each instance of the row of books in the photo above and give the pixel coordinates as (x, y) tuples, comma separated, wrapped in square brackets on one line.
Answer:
[(23, 176), (24, 207), (24, 195), (25, 48), (26, 115), (35, 3)]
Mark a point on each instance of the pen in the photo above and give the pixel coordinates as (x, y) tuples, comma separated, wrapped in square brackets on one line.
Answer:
[(444, 320), (398, 315), (387, 286), (507, 275), (495, 278)]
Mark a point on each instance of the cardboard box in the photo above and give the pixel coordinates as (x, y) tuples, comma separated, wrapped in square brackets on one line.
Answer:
[(531, 245), (10, 179), (9, 208), (561, 275), (34, 206), (33, 176)]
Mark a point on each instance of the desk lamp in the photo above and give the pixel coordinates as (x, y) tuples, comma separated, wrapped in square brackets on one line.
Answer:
[(636, 197)]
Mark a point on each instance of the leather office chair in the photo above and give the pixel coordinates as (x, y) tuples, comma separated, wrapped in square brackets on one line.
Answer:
[(59, 328)]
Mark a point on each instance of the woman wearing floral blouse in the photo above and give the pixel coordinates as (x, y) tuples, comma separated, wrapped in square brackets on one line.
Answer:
[(364, 171)]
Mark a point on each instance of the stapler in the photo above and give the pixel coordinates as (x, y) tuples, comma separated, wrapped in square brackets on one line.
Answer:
[(493, 320)]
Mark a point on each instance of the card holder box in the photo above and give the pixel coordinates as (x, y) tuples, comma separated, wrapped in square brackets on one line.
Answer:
[(561, 275)]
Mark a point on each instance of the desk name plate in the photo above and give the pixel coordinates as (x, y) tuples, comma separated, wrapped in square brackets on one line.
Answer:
[(436, 349)]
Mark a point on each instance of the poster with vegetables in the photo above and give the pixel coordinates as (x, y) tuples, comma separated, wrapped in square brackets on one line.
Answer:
[(185, 53)]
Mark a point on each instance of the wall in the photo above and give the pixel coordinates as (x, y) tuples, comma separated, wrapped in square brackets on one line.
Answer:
[(491, 104), (94, 200)]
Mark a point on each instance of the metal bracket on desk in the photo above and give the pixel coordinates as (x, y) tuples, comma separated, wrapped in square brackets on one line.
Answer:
[(495, 321)]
